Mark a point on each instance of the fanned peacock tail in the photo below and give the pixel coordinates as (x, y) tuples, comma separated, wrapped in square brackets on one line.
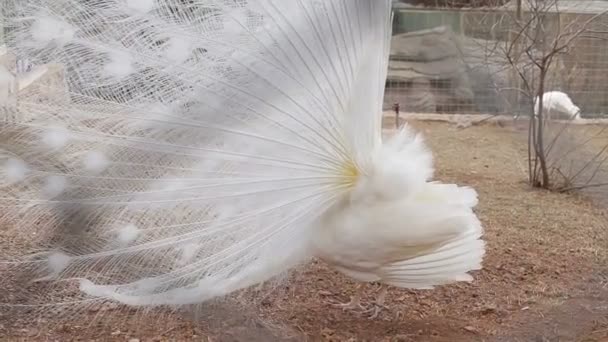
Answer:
[(184, 148)]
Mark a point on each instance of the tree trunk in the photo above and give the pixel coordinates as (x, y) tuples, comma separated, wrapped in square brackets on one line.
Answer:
[(540, 143)]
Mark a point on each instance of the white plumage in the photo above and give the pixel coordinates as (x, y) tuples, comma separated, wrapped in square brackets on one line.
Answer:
[(210, 146), (15, 170), (557, 105)]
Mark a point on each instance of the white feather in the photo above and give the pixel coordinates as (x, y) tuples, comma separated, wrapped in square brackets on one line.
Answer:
[(95, 162), (142, 6), (58, 262), (236, 141), (188, 253), (55, 138), (15, 170), (178, 49), (47, 30), (120, 64), (424, 234), (128, 234), (54, 186)]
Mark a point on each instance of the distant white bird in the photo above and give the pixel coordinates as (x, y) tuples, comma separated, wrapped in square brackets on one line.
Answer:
[(557, 105), (211, 146)]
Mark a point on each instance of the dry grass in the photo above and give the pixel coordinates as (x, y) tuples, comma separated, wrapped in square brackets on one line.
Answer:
[(546, 253)]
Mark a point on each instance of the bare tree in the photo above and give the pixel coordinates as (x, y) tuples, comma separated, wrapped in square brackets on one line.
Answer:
[(539, 38)]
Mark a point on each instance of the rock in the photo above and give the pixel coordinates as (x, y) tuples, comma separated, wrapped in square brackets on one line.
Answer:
[(464, 124), (326, 332), (401, 338), (488, 309), (29, 332), (471, 329)]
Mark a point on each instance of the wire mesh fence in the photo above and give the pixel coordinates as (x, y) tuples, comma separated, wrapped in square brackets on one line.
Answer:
[(475, 61), (485, 60)]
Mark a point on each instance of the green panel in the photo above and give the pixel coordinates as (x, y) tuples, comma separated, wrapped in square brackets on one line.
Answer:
[(412, 20)]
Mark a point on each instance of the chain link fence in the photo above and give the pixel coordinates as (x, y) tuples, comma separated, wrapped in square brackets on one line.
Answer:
[(478, 61)]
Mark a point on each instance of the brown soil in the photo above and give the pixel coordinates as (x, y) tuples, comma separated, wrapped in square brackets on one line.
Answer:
[(543, 276)]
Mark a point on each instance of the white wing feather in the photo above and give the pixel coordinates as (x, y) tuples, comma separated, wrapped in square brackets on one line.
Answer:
[(398, 228)]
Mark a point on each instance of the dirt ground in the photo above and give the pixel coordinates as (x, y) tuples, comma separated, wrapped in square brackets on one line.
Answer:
[(544, 278)]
